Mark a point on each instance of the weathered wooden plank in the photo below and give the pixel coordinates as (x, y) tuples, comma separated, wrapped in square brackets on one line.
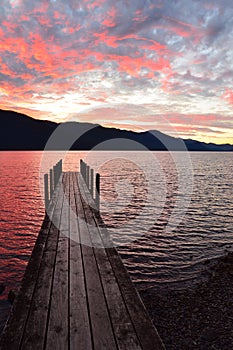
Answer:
[(102, 333), (57, 333), (36, 326), (80, 332), (146, 331), (122, 326), (13, 331)]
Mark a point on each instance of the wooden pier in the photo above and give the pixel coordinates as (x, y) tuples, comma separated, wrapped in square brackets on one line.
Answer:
[(76, 294)]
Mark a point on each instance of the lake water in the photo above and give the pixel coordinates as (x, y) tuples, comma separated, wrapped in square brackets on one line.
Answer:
[(165, 230)]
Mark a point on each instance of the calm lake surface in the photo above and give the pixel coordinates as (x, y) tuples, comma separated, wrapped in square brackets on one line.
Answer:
[(139, 196)]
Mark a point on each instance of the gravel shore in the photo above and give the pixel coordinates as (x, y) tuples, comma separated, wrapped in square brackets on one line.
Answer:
[(199, 318)]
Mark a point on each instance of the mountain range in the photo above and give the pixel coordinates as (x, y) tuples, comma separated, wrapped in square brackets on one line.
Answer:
[(21, 132)]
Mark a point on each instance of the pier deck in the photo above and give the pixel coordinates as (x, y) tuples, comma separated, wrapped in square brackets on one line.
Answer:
[(75, 293)]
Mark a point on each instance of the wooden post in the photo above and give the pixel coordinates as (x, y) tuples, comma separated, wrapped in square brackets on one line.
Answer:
[(88, 176), (56, 173), (85, 177), (84, 171), (54, 176), (60, 168), (51, 182), (46, 190), (97, 190), (92, 183), (81, 167)]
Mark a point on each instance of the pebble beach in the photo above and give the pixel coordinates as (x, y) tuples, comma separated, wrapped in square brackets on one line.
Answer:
[(199, 318)]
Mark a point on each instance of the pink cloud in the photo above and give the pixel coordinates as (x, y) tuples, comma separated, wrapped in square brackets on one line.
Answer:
[(110, 18), (184, 29), (228, 96)]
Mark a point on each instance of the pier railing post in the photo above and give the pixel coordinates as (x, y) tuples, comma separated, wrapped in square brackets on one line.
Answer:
[(97, 190), (46, 190), (54, 176), (57, 173), (92, 183), (88, 176), (81, 167), (85, 172), (59, 168), (51, 182)]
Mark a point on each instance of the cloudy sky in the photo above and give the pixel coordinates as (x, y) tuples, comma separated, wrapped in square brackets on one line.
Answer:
[(134, 64)]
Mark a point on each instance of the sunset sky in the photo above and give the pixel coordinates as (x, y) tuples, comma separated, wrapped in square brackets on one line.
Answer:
[(134, 64)]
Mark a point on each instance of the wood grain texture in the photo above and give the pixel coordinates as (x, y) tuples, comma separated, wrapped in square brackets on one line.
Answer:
[(57, 333), (102, 332), (80, 331)]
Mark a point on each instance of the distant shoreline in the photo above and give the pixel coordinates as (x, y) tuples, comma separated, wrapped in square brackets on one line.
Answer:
[(19, 132)]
